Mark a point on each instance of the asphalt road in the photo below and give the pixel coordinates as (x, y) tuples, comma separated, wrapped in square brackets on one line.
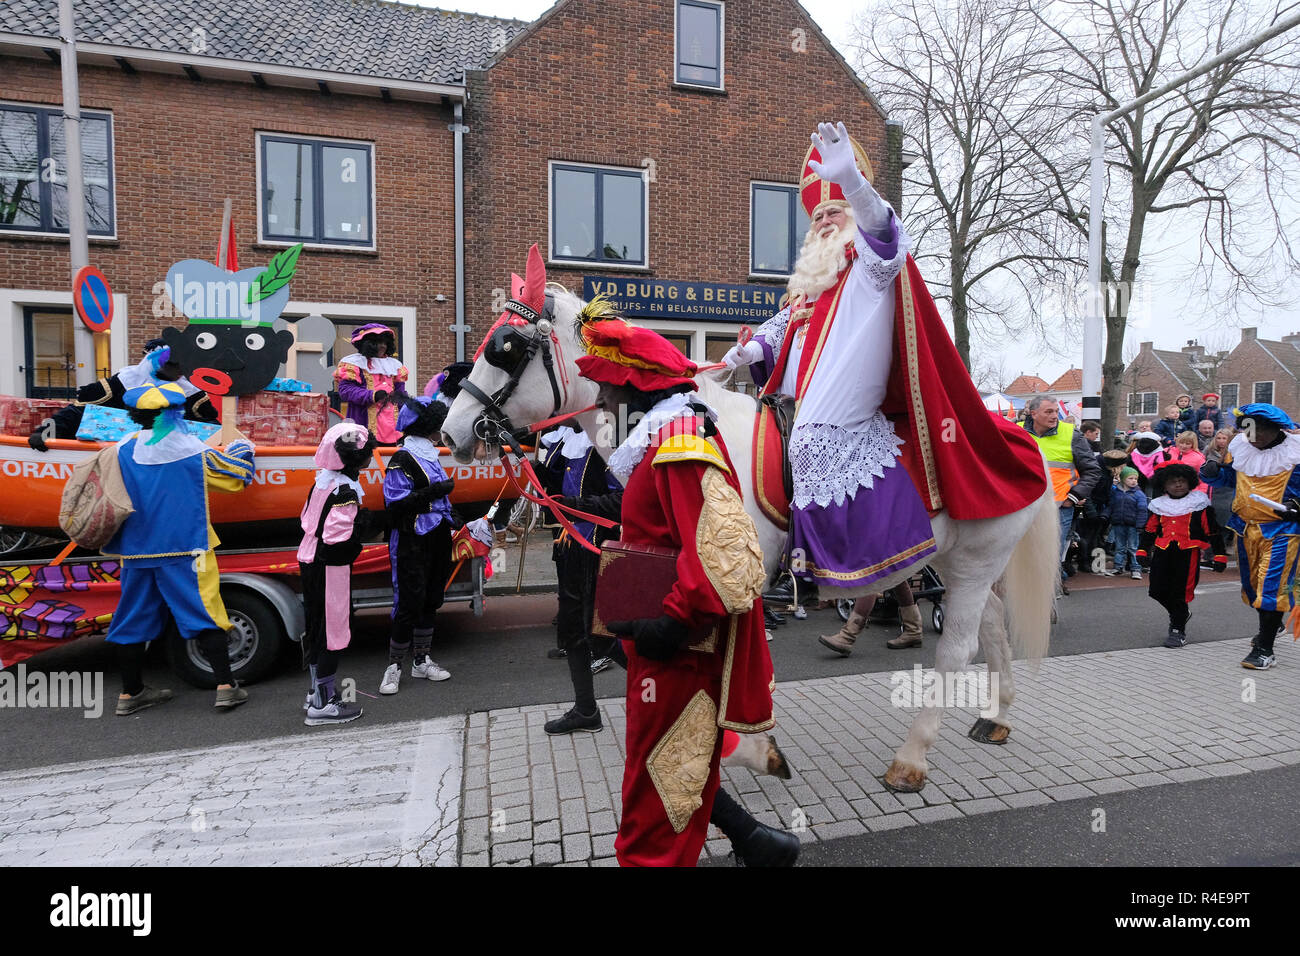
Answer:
[(499, 661)]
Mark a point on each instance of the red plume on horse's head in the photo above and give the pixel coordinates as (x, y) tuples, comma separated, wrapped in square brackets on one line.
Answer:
[(530, 291), (533, 294)]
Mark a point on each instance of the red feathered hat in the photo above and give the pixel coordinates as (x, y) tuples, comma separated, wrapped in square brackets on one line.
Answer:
[(619, 353), (814, 191)]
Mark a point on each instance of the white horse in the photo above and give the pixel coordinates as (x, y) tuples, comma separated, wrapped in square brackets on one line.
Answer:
[(1017, 552)]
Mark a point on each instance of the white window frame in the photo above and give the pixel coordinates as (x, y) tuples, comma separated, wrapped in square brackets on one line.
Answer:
[(551, 259), (1254, 387), (794, 252), (12, 303), (374, 191), (112, 174), (1236, 401), (722, 45), (1140, 413)]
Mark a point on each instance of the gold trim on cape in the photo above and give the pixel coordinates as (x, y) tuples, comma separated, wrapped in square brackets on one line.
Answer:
[(732, 626), (681, 761)]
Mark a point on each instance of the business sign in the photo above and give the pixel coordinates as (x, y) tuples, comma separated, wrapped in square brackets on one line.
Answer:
[(691, 301), (92, 298)]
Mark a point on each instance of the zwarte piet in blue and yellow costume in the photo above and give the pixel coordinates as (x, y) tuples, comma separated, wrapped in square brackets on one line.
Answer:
[(1263, 460), (166, 545)]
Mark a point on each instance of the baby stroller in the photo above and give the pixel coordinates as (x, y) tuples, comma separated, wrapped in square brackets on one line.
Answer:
[(926, 586)]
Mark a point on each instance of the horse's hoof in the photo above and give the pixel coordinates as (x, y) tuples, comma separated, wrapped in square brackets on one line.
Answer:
[(777, 765), (902, 779), (986, 731)]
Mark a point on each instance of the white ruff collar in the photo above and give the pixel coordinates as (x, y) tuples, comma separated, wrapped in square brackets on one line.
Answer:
[(1172, 507), (329, 480), (421, 447), (1262, 463), (376, 366), (173, 446), (629, 454)]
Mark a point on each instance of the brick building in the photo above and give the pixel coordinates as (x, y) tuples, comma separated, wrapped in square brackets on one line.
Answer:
[(1254, 370), (649, 140), (186, 105)]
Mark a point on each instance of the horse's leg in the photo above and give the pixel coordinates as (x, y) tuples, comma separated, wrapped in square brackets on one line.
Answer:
[(965, 602), (996, 728), (760, 754)]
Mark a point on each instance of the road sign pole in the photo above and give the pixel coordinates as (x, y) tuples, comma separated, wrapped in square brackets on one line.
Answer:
[(78, 251)]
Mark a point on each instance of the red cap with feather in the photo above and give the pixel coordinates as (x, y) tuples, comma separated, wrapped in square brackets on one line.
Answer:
[(619, 353)]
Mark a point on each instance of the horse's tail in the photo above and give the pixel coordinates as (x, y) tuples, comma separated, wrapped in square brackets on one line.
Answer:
[(1029, 583)]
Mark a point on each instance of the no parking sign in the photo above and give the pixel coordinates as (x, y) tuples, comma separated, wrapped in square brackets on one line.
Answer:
[(92, 298)]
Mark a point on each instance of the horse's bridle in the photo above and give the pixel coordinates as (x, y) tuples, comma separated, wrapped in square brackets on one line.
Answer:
[(510, 347)]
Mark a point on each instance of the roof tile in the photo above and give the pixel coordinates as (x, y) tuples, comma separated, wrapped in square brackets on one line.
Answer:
[(360, 37)]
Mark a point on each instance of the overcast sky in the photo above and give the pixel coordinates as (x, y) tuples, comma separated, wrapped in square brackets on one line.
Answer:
[(1169, 309)]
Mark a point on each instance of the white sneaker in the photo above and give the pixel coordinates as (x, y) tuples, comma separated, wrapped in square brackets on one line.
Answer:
[(392, 677), (429, 669), (1136, 575)]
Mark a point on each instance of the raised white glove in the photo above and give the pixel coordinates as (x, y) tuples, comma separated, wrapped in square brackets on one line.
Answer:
[(840, 166), (746, 354)]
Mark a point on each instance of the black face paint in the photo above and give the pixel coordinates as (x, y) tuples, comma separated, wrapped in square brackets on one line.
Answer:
[(229, 359)]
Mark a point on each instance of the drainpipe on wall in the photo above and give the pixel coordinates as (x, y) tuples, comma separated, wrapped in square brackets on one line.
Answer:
[(78, 251), (458, 131)]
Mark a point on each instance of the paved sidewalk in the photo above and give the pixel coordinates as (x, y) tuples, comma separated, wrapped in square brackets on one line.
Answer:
[(492, 788), (344, 796), (1085, 725)]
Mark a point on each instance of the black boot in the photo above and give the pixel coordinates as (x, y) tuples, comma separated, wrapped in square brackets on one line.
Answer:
[(754, 843), (766, 846)]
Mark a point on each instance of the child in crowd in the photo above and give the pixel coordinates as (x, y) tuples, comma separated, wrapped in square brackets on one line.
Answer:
[(331, 542), (415, 493), (1145, 452), (1127, 512), (1182, 523), (1169, 426)]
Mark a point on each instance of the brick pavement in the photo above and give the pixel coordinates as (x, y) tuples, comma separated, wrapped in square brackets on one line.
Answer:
[(492, 788), (1085, 725)]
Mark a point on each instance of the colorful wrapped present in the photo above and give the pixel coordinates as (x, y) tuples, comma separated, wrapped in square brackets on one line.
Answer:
[(288, 385), (101, 423), (283, 418), (22, 416)]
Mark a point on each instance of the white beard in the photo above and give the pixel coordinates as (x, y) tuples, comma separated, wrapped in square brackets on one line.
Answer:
[(820, 262)]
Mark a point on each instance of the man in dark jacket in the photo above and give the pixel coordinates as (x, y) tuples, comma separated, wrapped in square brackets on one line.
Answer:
[(1092, 524), (1071, 464)]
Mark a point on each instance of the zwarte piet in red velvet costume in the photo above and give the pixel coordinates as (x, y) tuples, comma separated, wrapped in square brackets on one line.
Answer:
[(703, 665), (1181, 525)]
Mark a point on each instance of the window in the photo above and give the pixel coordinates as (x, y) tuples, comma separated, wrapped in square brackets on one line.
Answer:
[(33, 170), (1142, 403), (598, 214), (777, 225), (716, 346), (1228, 396), (1263, 392), (318, 192), (699, 43)]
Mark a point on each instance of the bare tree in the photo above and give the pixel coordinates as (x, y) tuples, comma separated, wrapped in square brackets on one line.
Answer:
[(989, 372), (1218, 147), (965, 80)]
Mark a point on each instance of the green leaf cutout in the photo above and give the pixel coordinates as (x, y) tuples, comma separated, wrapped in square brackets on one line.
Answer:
[(276, 275)]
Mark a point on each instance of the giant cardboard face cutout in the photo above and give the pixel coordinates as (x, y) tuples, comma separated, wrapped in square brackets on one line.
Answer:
[(230, 346)]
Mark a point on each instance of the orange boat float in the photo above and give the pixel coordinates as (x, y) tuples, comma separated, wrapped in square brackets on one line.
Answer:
[(31, 488)]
